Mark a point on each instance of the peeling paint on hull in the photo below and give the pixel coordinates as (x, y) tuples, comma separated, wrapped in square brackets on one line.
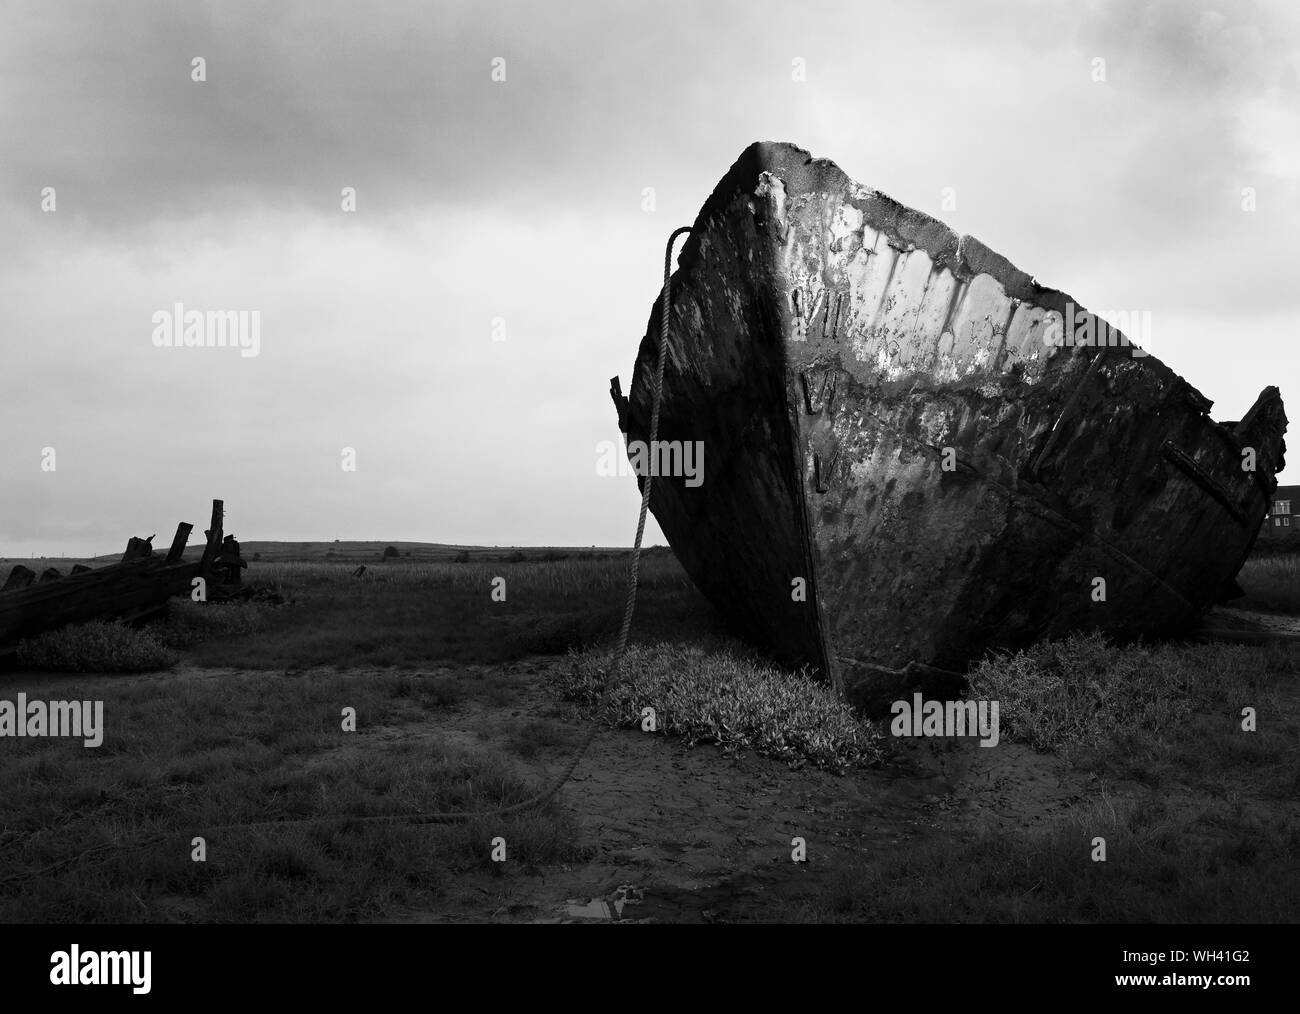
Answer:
[(886, 416)]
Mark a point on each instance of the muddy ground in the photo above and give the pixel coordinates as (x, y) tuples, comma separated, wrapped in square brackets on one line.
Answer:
[(688, 834)]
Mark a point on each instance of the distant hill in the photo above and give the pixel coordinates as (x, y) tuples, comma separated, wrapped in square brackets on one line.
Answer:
[(360, 552)]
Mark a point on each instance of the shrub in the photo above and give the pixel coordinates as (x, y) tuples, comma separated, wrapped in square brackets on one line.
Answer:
[(97, 646), (390, 552), (725, 698), (1086, 691)]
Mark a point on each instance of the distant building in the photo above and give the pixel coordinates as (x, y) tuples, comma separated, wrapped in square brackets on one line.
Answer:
[(1285, 507)]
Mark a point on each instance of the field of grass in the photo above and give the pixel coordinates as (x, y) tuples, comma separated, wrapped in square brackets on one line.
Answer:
[(407, 614), (494, 607), (1201, 818), (253, 747)]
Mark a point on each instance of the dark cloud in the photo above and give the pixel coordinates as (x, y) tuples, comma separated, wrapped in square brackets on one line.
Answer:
[(522, 199)]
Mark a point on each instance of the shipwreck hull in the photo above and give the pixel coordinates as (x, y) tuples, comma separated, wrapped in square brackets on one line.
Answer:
[(914, 427)]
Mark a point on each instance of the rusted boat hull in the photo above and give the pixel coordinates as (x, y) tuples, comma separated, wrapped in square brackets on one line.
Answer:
[(917, 431)]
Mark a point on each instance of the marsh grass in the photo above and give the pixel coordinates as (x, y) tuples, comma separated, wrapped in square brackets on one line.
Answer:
[(225, 750), (1158, 715), (1271, 584), (407, 614), (1084, 690)]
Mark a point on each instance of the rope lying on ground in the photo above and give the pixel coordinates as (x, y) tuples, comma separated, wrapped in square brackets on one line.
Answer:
[(616, 660)]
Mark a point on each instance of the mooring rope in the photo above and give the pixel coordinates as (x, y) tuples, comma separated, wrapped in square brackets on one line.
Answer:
[(620, 648), (616, 660), (664, 311)]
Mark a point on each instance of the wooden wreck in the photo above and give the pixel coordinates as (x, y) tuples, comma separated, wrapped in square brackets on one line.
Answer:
[(133, 589), (926, 441)]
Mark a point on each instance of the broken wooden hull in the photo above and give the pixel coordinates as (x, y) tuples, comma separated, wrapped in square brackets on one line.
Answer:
[(127, 591), (137, 587), (911, 430)]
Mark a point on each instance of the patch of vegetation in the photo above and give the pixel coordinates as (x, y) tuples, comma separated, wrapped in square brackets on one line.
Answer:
[(1164, 716), (1271, 584), (98, 646), (1084, 690), (727, 698)]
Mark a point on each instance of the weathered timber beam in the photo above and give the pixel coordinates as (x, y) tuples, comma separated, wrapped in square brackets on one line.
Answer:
[(124, 591), (179, 541), (136, 548), (214, 535), (19, 577)]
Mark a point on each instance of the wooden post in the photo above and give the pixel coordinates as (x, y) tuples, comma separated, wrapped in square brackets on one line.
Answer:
[(179, 541), (213, 546), (230, 560)]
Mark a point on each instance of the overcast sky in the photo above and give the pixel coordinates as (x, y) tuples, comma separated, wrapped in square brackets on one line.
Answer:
[(522, 199)]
